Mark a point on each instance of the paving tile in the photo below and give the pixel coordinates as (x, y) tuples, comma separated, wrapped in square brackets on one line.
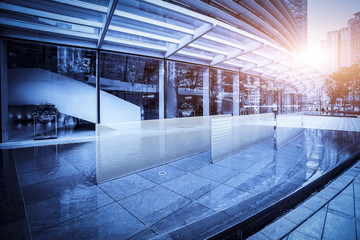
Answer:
[(154, 204), (191, 186), (357, 189), (258, 236), (343, 204), (56, 187), (109, 222), (162, 237), (188, 214), (144, 235), (357, 208), (126, 186), (299, 214), (70, 204), (36, 158), (223, 197), (251, 183), (349, 191), (161, 174), (189, 164), (216, 173), (278, 229), (357, 228), (234, 163), (296, 235), (338, 227), (314, 225), (46, 174), (328, 193), (315, 203)]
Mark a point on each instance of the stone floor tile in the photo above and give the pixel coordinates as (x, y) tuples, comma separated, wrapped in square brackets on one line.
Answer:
[(56, 187), (338, 227), (46, 174), (314, 225), (235, 163), (216, 173), (188, 214), (161, 174), (278, 229), (223, 197), (126, 186), (299, 214), (343, 204), (357, 189), (109, 222), (258, 236), (189, 164), (71, 204), (296, 235), (328, 193), (153, 204), (191, 186), (315, 203)]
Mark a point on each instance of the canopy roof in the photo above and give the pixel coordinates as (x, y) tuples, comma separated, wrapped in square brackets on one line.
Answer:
[(158, 29)]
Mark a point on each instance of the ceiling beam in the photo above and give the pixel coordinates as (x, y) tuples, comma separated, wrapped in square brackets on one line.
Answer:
[(48, 15), (44, 28), (106, 22), (186, 40), (234, 54)]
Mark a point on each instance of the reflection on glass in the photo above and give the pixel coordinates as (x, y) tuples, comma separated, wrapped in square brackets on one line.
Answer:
[(221, 91), (40, 73), (184, 90), (134, 83)]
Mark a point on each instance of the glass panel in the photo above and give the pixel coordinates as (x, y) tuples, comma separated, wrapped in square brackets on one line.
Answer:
[(185, 90), (62, 76), (288, 127), (124, 148), (221, 91), (130, 88), (230, 135)]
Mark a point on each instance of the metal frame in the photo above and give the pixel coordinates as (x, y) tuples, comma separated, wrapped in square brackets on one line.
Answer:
[(164, 30)]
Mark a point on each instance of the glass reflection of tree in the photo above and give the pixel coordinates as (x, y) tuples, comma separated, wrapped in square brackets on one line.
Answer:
[(189, 80)]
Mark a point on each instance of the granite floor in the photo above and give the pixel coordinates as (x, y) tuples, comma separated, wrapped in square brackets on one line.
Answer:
[(332, 213), (49, 192)]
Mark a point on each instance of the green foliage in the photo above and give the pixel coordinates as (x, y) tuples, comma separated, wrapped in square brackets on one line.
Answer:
[(342, 84), (45, 109)]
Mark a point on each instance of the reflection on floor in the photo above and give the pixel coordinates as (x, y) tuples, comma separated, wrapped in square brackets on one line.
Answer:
[(185, 199), (332, 213)]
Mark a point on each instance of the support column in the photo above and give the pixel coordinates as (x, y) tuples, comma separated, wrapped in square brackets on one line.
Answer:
[(4, 92), (98, 86), (236, 94), (206, 95), (161, 90)]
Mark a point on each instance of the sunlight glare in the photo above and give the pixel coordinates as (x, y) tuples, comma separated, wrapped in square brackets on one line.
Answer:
[(315, 57)]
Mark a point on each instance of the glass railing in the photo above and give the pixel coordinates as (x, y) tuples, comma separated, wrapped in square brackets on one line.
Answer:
[(288, 127), (128, 147)]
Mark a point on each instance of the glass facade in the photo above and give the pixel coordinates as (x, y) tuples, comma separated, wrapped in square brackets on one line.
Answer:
[(131, 88), (133, 79), (38, 74), (185, 92)]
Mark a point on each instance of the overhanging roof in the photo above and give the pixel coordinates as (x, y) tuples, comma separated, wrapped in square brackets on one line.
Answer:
[(155, 28)]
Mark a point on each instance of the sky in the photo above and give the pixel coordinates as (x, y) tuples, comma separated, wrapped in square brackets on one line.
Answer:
[(328, 15)]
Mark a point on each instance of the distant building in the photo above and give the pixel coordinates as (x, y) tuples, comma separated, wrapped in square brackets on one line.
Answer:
[(354, 26), (342, 46), (298, 9)]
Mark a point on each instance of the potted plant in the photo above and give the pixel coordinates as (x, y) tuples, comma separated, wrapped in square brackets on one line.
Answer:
[(45, 121)]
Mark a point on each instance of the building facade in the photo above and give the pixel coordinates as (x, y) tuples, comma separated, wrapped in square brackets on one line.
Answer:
[(343, 46), (299, 11), (116, 61)]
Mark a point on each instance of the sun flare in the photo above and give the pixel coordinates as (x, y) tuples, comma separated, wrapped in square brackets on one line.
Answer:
[(315, 57)]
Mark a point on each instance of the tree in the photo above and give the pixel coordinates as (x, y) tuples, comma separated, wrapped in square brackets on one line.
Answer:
[(331, 88)]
